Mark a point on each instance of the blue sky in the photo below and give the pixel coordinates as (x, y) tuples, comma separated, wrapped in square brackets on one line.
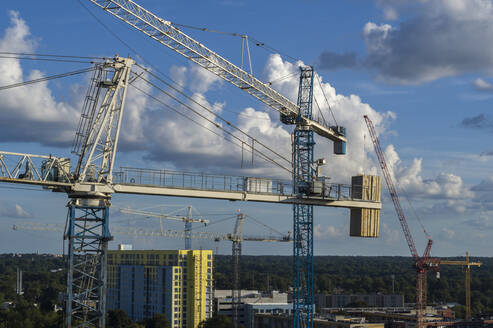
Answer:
[(421, 70)]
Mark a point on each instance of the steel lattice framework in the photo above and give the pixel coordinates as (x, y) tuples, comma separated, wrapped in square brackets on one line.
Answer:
[(88, 235), (87, 227), (237, 238), (303, 176), (165, 33), (99, 126)]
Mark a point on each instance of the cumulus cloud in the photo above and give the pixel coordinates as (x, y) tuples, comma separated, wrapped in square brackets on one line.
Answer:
[(390, 235), (481, 85), (327, 232), (14, 211), (348, 110), (172, 140), (194, 147), (439, 38), (329, 60), (444, 185), (447, 233), (484, 192), (35, 111)]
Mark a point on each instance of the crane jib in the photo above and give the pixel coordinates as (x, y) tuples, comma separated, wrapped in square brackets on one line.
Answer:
[(165, 33)]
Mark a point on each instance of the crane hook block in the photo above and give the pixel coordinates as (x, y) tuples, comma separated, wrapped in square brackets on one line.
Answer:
[(340, 146)]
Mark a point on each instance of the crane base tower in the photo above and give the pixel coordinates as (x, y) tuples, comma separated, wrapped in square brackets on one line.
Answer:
[(87, 235)]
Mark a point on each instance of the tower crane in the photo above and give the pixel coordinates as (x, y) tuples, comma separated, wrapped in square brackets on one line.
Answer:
[(299, 114), (422, 263), (93, 182), (187, 219), (467, 264)]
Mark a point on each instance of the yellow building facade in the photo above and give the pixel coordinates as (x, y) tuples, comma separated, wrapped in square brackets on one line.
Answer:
[(177, 283)]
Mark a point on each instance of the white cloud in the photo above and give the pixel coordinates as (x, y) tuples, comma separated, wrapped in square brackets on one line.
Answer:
[(447, 233), (391, 236), (438, 38), (34, 110), (197, 147), (348, 111), (15, 211), (481, 85), (202, 80), (327, 232), (409, 179), (172, 140), (484, 194)]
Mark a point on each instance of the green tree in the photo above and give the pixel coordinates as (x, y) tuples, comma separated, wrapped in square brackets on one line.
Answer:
[(217, 321), (460, 311), (119, 319), (159, 320)]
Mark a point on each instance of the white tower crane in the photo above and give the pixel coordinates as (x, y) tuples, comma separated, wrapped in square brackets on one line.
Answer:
[(92, 184), (188, 219)]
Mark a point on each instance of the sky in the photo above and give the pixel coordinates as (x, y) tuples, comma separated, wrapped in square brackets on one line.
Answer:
[(421, 70)]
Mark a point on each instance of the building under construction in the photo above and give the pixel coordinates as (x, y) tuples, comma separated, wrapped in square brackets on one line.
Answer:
[(177, 283)]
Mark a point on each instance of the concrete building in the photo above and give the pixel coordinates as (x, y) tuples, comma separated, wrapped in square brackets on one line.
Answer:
[(252, 301), (177, 283), (283, 321), (373, 300), (252, 309)]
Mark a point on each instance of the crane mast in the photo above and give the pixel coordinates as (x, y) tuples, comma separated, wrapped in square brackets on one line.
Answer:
[(96, 139), (235, 260)]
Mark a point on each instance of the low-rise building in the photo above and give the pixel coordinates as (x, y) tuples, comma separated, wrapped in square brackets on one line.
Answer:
[(372, 300), (283, 321), (251, 302)]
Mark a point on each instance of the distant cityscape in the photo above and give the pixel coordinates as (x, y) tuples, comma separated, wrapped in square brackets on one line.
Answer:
[(180, 284)]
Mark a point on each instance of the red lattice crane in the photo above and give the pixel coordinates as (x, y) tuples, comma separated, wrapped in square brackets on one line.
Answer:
[(423, 263)]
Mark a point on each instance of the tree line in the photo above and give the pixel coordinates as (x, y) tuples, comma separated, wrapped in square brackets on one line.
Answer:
[(44, 278)]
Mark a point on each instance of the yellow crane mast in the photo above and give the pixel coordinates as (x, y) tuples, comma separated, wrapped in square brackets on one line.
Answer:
[(468, 265)]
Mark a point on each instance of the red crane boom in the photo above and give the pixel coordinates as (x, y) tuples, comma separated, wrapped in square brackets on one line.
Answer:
[(392, 190), (422, 263)]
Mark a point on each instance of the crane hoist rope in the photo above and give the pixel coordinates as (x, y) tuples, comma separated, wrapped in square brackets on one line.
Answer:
[(258, 43), (213, 113), (51, 55), (259, 153), (49, 59), (47, 78)]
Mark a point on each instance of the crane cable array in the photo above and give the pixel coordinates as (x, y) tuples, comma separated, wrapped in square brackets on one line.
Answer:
[(270, 49), (215, 124), (242, 143), (209, 111), (258, 43)]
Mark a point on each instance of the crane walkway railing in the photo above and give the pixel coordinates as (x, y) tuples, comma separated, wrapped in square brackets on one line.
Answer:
[(227, 183), (54, 173)]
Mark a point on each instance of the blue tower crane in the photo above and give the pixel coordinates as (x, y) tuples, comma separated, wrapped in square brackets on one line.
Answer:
[(303, 176)]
